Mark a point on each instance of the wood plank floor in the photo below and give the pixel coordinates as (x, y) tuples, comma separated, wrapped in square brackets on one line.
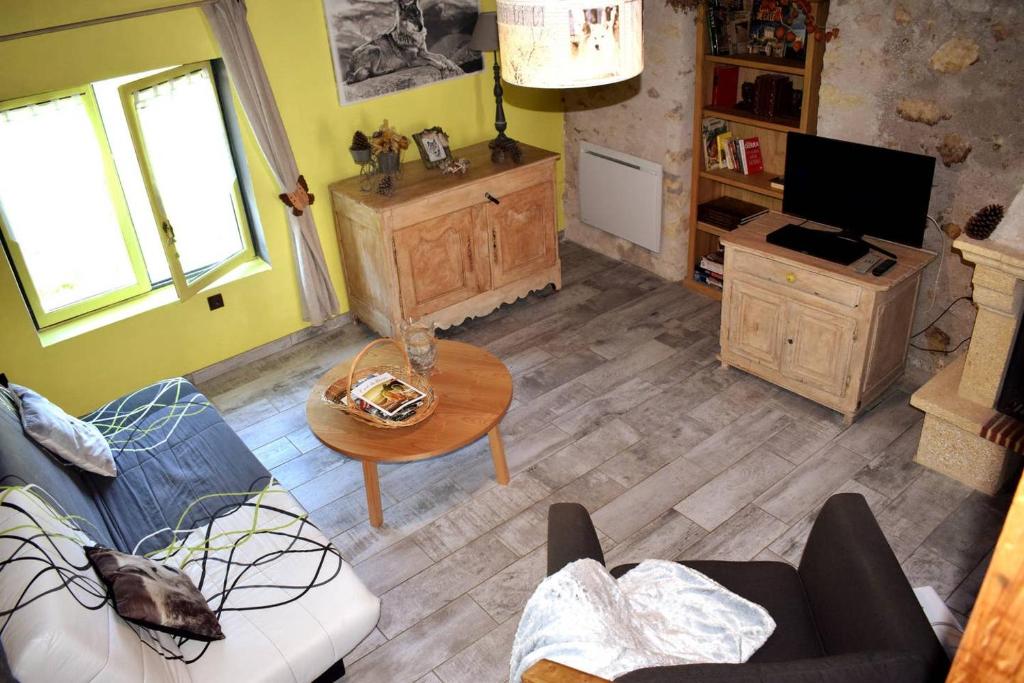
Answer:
[(619, 405)]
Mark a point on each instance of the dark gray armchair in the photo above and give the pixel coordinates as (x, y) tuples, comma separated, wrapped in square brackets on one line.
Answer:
[(847, 614)]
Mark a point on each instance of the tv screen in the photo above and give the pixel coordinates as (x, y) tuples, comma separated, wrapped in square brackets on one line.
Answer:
[(858, 188)]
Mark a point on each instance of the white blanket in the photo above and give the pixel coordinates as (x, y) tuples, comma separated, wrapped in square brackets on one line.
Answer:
[(660, 613)]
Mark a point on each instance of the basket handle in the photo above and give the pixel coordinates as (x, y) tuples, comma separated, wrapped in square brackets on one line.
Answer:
[(359, 357)]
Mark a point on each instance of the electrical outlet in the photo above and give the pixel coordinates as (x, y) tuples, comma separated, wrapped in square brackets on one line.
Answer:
[(216, 301)]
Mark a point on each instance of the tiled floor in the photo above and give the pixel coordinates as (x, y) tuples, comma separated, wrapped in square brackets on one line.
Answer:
[(619, 405)]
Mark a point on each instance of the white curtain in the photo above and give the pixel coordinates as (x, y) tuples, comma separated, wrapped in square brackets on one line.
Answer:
[(238, 48)]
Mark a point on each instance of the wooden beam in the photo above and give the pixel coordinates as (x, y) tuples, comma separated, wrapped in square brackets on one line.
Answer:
[(546, 671), (103, 20), (992, 649)]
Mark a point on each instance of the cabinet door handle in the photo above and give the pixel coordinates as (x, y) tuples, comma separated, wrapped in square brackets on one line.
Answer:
[(789, 341), (790, 278), (492, 198)]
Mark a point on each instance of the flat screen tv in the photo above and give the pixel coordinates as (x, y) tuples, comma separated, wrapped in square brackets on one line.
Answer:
[(862, 190)]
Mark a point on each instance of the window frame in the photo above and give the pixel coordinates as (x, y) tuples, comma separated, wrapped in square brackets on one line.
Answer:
[(185, 288), (40, 315)]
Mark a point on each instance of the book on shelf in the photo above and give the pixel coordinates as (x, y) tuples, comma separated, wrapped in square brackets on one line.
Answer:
[(713, 262), (725, 82), (750, 156), (737, 29), (723, 149), (726, 151), (728, 212), (728, 25), (773, 96), (777, 183), (711, 128), (777, 29), (716, 27), (708, 278)]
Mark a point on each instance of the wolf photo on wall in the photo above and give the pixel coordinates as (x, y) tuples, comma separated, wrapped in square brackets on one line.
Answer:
[(384, 46)]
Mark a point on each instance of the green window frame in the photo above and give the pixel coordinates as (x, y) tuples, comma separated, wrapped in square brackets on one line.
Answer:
[(186, 284), (141, 285)]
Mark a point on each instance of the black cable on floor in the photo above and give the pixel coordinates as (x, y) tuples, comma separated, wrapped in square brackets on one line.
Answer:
[(939, 317)]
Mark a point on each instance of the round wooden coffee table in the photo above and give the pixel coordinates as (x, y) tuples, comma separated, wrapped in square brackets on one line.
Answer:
[(473, 390)]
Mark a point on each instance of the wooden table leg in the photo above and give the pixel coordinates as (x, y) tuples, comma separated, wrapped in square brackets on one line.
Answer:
[(372, 484), (498, 454)]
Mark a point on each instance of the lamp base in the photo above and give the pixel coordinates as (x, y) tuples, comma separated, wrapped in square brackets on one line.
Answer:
[(504, 148)]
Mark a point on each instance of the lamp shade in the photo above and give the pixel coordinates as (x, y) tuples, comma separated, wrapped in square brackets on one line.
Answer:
[(485, 33), (570, 43)]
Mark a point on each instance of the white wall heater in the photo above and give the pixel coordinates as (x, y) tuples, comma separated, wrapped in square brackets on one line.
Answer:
[(620, 194)]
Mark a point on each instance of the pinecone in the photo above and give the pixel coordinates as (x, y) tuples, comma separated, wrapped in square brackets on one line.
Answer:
[(360, 141), (981, 224), (386, 185)]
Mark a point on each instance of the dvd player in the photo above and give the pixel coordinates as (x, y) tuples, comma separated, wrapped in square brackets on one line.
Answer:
[(831, 246)]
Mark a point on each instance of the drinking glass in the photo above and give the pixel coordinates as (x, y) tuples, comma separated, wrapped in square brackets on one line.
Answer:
[(421, 346)]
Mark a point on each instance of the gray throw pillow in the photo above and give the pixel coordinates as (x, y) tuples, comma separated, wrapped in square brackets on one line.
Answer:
[(69, 438)]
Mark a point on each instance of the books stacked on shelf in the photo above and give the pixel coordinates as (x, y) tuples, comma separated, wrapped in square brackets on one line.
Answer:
[(729, 26), (774, 97), (722, 150), (711, 269), (728, 212)]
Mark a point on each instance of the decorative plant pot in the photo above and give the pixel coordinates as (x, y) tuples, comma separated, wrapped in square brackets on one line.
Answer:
[(388, 162), (360, 156)]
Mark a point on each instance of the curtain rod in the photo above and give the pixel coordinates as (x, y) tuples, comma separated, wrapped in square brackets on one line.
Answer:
[(104, 20)]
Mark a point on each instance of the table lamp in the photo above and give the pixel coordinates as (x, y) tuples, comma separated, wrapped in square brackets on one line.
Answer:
[(485, 39)]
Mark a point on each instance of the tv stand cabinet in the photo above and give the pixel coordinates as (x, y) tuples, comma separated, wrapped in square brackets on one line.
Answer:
[(816, 328)]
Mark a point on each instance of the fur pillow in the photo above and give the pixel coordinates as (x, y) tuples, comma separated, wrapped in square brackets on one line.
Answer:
[(155, 595), (69, 438)]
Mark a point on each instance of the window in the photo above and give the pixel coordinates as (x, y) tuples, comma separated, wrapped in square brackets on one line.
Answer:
[(113, 188)]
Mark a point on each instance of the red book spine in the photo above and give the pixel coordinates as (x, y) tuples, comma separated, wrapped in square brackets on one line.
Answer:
[(726, 82), (752, 156)]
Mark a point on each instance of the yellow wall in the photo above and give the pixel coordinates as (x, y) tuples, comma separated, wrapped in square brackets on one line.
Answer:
[(81, 372)]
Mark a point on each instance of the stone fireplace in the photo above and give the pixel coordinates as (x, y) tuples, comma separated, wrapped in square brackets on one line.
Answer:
[(964, 435)]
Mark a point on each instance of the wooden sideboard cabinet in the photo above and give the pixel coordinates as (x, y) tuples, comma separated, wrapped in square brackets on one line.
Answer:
[(819, 329), (445, 248)]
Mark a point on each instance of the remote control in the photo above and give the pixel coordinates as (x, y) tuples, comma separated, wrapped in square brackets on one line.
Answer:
[(883, 267)]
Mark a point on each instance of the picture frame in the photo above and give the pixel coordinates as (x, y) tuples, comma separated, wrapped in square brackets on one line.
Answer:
[(433, 146), (381, 47)]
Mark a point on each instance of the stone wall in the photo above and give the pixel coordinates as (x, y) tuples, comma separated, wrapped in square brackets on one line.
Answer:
[(940, 77), (943, 78), (651, 117)]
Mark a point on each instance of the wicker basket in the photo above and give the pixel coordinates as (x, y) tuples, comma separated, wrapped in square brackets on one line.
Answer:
[(342, 387)]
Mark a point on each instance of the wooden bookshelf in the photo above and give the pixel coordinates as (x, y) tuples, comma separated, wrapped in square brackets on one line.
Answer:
[(759, 183), (707, 290), (737, 115), (711, 184), (773, 64), (713, 229)]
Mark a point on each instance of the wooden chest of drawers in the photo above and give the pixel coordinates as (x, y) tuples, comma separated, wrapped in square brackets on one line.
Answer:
[(445, 248), (817, 328)]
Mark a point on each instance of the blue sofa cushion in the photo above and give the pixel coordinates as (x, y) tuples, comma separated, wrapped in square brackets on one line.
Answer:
[(22, 462), (179, 465)]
